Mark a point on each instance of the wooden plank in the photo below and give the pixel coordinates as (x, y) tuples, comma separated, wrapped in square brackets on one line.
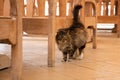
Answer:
[(107, 19), (51, 35), (40, 25), (36, 25)]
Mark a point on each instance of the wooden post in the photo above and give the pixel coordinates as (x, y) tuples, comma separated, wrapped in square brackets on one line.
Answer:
[(62, 8), (1, 7), (41, 8), (29, 8), (16, 55), (51, 34)]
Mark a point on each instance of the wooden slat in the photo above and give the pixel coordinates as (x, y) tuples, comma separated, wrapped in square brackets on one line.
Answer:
[(107, 19), (40, 25), (36, 25)]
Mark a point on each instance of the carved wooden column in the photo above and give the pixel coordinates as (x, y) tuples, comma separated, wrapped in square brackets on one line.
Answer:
[(51, 33), (104, 8), (112, 7), (116, 8), (1, 7), (90, 9), (98, 8), (87, 9), (70, 8), (62, 8), (107, 3), (29, 8), (6, 8), (41, 8)]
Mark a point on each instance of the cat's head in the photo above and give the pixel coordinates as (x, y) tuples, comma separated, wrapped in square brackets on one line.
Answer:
[(63, 39)]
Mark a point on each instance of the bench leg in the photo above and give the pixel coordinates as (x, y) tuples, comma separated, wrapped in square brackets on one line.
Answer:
[(16, 61)]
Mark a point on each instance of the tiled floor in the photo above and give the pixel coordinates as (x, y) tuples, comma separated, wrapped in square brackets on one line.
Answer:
[(102, 63)]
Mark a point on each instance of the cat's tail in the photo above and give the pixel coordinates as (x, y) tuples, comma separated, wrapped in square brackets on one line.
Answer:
[(76, 13)]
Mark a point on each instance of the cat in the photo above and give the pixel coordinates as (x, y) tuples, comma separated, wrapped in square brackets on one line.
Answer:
[(73, 38)]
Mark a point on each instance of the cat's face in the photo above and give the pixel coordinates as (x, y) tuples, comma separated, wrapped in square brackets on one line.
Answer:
[(63, 40)]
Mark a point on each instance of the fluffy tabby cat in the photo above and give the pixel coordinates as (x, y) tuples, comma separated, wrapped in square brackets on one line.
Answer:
[(72, 38)]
